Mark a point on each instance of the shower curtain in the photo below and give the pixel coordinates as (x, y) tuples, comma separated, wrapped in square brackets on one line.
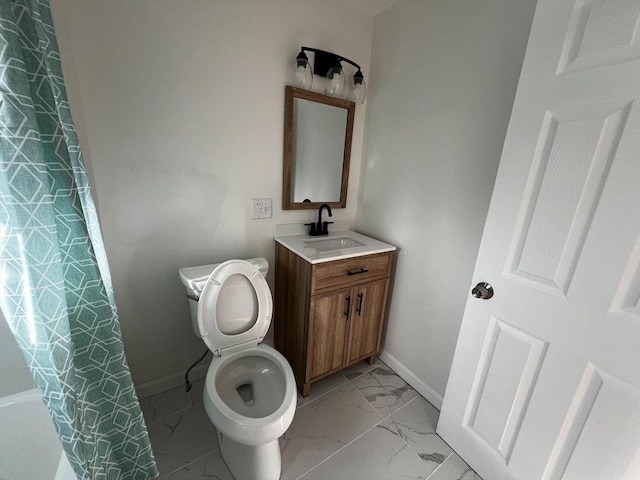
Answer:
[(55, 288)]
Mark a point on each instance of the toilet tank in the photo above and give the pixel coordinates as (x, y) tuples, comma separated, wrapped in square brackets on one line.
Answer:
[(194, 279)]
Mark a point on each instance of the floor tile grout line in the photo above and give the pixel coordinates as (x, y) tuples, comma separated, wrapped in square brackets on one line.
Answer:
[(434, 432), (440, 466), (382, 419), (341, 448), (400, 436), (371, 428), (346, 380), (349, 443), (392, 413)]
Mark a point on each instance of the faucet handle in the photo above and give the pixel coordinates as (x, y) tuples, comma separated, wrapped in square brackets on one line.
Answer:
[(325, 227), (312, 228)]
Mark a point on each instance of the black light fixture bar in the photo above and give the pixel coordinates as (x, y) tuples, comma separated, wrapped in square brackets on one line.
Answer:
[(325, 61)]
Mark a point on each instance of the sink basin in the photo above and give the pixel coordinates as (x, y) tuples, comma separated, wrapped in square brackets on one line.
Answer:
[(335, 246), (334, 243)]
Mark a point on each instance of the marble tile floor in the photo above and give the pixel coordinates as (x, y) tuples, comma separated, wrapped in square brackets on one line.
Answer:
[(363, 423)]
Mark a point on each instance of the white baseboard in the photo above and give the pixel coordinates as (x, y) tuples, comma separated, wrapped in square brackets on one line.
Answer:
[(163, 384), (159, 385), (408, 376)]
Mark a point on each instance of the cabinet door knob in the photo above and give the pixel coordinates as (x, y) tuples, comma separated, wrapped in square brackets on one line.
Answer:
[(359, 309)]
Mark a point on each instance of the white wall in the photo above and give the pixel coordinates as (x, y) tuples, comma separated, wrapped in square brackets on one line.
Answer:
[(179, 107), (180, 111), (444, 75)]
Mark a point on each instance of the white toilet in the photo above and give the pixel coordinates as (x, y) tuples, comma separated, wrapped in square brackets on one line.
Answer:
[(250, 390)]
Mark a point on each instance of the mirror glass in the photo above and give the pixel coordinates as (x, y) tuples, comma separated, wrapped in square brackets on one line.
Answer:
[(317, 148)]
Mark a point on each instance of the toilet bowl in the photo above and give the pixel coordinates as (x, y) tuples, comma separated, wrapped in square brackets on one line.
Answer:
[(249, 393)]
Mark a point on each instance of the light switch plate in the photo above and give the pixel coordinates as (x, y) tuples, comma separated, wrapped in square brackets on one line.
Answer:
[(261, 208)]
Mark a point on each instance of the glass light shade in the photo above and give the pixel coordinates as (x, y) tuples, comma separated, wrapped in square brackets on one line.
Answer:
[(358, 92), (336, 85), (303, 75)]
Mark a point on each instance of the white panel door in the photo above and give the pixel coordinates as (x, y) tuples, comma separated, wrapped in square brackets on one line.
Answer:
[(546, 374)]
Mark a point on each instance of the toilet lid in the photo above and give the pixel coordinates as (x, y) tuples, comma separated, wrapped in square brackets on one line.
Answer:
[(235, 307)]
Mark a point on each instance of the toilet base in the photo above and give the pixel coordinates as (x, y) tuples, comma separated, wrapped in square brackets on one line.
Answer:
[(245, 462)]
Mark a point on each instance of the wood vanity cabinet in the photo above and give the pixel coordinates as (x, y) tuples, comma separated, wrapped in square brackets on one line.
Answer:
[(329, 315)]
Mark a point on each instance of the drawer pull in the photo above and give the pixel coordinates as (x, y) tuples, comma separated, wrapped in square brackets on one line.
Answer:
[(359, 309), (346, 313), (362, 270)]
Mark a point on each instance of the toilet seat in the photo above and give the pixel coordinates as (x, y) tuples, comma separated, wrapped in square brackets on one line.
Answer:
[(235, 308)]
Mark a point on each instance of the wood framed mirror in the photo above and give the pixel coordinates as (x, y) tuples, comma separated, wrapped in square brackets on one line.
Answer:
[(317, 149)]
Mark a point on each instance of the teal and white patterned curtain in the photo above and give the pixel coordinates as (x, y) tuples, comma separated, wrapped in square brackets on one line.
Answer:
[(55, 288)]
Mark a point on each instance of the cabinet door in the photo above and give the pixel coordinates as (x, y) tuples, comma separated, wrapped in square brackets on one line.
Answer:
[(367, 314), (328, 329)]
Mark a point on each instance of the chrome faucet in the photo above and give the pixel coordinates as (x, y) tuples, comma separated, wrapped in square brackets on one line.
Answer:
[(320, 228)]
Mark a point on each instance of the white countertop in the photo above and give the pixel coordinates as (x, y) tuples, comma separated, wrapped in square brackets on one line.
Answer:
[(297, 244)]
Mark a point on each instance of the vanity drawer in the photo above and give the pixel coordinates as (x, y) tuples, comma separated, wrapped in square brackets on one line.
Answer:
[(330, 275)]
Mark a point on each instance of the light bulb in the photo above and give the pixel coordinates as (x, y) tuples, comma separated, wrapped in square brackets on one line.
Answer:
[(336, 84), (303, 77), (358, 89), (358, 93), (302, 73)]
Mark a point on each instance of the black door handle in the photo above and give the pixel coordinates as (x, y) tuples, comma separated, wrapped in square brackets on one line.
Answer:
[(359, 309), (346, 313)]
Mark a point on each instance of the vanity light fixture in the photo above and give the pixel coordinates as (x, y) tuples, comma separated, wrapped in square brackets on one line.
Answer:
[(329, 65)]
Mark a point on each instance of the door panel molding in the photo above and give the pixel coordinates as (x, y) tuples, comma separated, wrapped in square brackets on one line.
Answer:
[(626, 302), (533, 350), (600, 34), (591, 403), (561, 197)]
